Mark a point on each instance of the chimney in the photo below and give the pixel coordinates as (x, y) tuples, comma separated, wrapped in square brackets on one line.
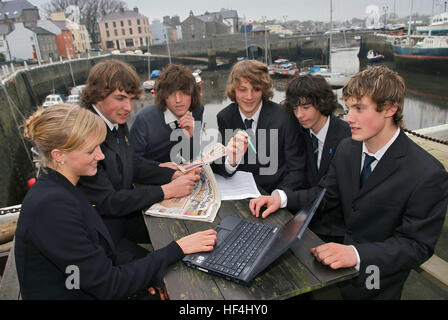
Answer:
[(136, 9), (121, 9)]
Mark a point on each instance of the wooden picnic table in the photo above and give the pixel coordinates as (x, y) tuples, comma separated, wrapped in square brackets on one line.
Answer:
[(294, 273)]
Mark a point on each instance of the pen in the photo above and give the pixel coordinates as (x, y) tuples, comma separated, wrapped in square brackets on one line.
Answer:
[(250, 143)]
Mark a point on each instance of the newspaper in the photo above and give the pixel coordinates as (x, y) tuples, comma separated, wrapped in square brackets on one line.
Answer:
[(200, 205), (216, 152)]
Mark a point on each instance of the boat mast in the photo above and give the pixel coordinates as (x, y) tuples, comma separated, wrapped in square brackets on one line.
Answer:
[(149, 58), (410, 20), (331, 35), (265, 42), (432, 16), (245, 37)]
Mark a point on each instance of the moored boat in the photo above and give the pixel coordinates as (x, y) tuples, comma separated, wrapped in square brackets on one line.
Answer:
[(283, 67), (429, 55), (335, 79), (374, 56)]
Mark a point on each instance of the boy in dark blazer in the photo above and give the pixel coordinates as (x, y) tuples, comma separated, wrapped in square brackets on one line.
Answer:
[(110, 90), (393, 194), (312, 101), (279, 159), (177, 108)]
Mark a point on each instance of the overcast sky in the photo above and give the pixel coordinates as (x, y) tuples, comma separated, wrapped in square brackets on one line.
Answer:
[(277, 9)]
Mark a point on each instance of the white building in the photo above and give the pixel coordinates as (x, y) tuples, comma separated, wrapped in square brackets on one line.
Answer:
[(4, 46), (32, 43), (22, 42)]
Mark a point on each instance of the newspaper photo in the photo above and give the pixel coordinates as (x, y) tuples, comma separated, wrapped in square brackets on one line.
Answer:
[(201, 205)]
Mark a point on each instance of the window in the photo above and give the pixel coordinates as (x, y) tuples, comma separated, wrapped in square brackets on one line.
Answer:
[(106, 25), (123, 32), (139, 29), (130, 30), (116, 32), (108, 34), (114, 24), (109, 44), (138, 21), (129, 22), (122, 23), (129, 42)]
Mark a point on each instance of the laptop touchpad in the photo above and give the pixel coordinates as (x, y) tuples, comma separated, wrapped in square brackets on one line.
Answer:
[(222, 234)]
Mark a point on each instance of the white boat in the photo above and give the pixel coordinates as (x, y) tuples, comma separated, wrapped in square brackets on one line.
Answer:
[(283, 67), (335, 79), (374, 56), (198, 78), (148, 85)]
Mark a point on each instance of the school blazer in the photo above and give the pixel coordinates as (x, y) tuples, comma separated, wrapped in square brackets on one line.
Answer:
[(112, 190), (290, 146), (328, 225), (58, 228), (150, 136), (394, 220), (337, 131)]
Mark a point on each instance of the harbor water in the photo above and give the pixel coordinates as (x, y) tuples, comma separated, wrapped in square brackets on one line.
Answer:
[(426, 102)]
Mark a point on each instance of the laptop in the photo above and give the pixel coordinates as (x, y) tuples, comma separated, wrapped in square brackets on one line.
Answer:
[(245, 248)]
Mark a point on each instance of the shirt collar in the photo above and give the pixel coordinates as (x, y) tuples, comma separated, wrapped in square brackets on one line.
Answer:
[(323, 132), (380, 153), (254, 117), (169, 116), (111, 125)]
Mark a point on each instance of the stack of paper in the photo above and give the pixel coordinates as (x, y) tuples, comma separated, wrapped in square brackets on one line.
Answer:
[(239, 186)]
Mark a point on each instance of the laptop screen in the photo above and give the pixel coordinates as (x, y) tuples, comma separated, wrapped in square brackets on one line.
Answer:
[(291, 231)]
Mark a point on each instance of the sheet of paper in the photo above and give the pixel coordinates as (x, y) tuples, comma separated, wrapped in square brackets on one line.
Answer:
[(240, 186)]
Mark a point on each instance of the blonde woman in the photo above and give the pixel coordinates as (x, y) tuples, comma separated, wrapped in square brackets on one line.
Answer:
[(63, 249)]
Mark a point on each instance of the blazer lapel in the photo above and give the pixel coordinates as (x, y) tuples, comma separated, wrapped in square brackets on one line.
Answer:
[(387, 165), (355, 165), (265, 116), (329, 146), (309, 148)]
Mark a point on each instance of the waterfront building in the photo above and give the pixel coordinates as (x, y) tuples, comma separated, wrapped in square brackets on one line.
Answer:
[(128, 30), (209, 24), (4, 47), (80, 36), (64, 36), (18, 11), (161, 32), (32, 42), (174, 22), (279, 29)]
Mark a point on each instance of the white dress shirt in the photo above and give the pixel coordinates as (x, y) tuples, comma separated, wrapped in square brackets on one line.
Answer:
[(255, 117), (321, 136), (111, 125), (378, 155)]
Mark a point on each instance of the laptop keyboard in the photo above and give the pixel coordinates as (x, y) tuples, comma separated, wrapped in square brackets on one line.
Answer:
[(240, 249)]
